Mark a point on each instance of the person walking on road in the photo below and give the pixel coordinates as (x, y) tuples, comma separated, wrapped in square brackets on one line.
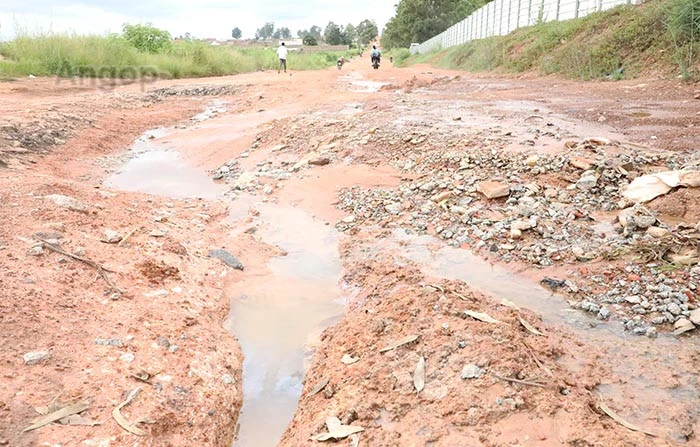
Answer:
[(282, 54)]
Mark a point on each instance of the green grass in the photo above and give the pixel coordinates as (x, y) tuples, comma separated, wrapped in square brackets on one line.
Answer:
[(614, 44), (113, 57)]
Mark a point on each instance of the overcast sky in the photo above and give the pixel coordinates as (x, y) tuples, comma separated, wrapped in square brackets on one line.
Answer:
[(204, 18)]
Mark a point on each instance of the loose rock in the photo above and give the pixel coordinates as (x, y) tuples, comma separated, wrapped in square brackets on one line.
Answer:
[(36, 357)]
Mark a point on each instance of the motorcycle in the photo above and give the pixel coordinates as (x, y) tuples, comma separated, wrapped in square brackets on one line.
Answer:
[(341, 62), (375, 63)]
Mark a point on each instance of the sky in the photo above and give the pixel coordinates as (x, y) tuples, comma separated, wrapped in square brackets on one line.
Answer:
[(202, 19)]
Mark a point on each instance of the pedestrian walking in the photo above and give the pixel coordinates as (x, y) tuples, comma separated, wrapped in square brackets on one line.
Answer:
[(282, 54)]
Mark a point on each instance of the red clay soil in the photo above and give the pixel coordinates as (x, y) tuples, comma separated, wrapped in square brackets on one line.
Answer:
[(162, 333)]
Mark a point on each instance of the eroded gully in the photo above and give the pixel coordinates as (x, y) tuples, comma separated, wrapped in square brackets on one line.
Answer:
[(287, 299)]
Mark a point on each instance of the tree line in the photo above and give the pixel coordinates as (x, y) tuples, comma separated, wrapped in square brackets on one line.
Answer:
[(419, 20), (354, 35)]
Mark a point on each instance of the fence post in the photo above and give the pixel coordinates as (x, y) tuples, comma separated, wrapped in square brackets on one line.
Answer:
[(493, 21), (558, 7), (540, 13), (486, 28), (600, 5), (578, 5), (488, 10), (517, 23), (529, 13), (510, 4)]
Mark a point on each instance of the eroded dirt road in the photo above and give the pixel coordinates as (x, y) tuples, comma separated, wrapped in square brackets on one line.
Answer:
[(376, 280)]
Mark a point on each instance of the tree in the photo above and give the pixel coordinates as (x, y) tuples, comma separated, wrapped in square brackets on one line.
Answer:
[(316, 31), (310, 40), (333, 35), (282, 33), (349, 34), (236, 33), (419, 20), (367, 31), (146, 38), (266, 31)]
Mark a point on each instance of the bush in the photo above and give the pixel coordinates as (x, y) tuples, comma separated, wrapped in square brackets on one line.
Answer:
[(146, 38), (115, 57), (310, 40), (684, 20), (684, 27)]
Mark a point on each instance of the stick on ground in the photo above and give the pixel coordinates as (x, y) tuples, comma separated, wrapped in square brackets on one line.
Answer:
[(101, 270), (520, 382)]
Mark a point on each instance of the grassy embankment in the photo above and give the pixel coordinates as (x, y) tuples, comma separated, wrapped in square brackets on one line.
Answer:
[(114, 57), (624, 42)]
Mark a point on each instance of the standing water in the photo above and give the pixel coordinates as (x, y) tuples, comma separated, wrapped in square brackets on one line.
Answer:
[(278, 318)]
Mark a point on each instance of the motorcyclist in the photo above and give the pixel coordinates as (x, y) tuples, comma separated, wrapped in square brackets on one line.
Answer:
[(376, 55), (341, 62)]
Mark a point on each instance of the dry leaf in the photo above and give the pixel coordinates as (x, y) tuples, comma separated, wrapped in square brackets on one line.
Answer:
[(399, 343), (332, 423), (684, 329), (531, 329), (419, 375), (462, 297), (621, 421), (78, 420), (58, 415), (510, 304), (336, 430), (486, 318), (349, 360), (319, 387), (435, 286), (127, 425)]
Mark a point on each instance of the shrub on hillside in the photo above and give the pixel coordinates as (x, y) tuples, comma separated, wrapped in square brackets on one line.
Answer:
[(146, 38)]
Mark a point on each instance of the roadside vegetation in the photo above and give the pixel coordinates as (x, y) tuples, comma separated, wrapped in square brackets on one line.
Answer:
[(659, 36), (140, 50)]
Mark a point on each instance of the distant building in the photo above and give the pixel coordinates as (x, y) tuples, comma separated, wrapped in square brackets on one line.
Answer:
[(292, 43)]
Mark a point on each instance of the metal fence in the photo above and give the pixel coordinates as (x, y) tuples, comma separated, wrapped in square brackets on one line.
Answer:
[(501, 17)]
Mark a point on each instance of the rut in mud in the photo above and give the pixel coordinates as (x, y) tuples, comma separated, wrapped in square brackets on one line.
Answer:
[(376, 285)]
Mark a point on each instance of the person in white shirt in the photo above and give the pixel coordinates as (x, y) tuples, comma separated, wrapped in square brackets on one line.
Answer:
[(282, 54)]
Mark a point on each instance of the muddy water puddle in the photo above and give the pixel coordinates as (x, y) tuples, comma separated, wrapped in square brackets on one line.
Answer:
[(278, 318), (163, 173)]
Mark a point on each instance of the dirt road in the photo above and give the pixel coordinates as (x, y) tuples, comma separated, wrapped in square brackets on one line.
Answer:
[(244, 241)]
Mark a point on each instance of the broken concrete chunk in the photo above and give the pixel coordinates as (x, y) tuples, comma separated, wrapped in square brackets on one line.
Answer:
[(36, 250), (581, 163), (695, 317), (493, 190), (320, 161), (245, 180), (658, 232), (437, 198), (522, 224), (587, 181), (67, 202), (471, 372), (532, 160), (227, 258), (598, 141), (110, 237), (36, 357), (636, 217)]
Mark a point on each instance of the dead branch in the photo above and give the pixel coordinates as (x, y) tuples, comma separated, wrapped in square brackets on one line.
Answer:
[(520, 382), (100, 270), (131, 233)]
